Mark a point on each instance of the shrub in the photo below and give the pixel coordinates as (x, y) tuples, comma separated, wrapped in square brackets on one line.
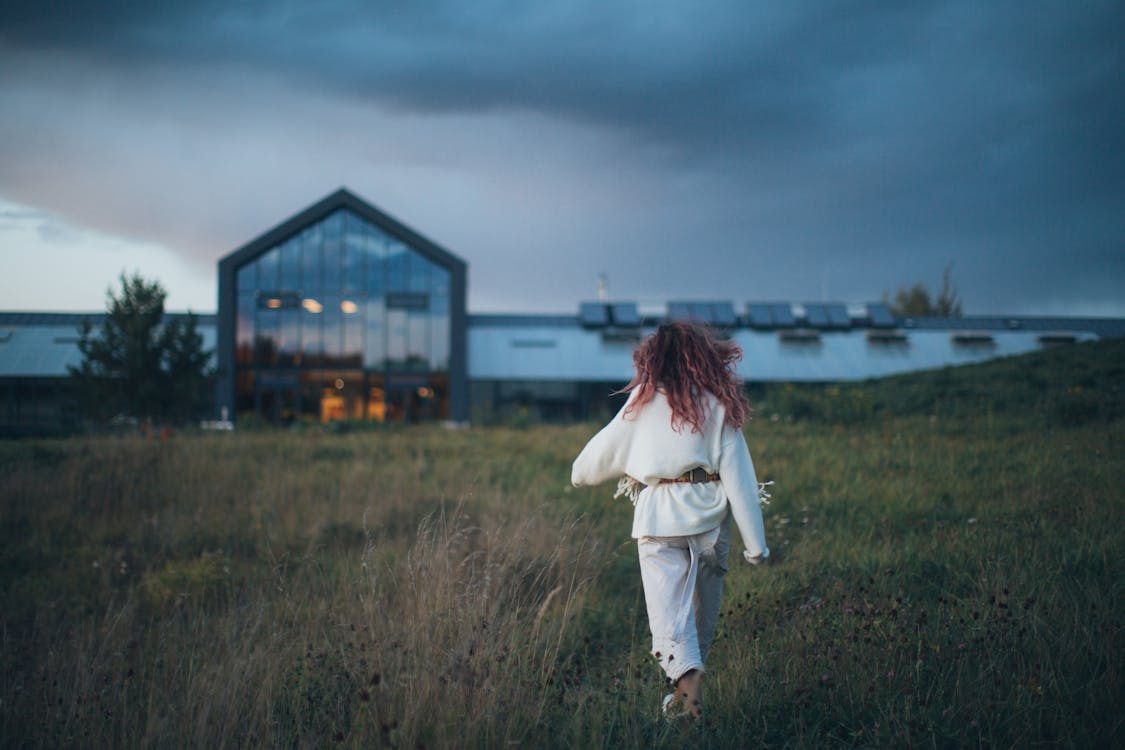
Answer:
[(186, 583)]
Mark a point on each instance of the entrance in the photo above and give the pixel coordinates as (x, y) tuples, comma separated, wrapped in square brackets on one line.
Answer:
[(410, 398), (277, 396)]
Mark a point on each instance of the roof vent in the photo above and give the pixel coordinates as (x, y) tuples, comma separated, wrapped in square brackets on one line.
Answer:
[(1056, 339), (892, 337), (973, 339), (805, 336)]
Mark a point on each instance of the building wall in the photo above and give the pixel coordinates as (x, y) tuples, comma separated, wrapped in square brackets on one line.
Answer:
[(554, 367), (36, 348), (560, 351)]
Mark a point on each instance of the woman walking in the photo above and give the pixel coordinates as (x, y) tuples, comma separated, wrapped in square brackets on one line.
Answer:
[(679, 453)]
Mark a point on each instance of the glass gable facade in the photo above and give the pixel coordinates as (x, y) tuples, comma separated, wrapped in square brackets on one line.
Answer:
[(342, 321)]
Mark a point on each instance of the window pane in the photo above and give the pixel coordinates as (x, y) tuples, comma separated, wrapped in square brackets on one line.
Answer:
[(291, 265), (311, 347), (311, 388), (355, 255), (396, 339), (375, 246), (310, 260), (418, 341), (268, 266), (439, 396), (397, 261), (333, 253), (375, 347), (419, 274), (353, 331), (248, 278), (439, 280), (376, 399), (244, 392), (439, 342), (290, 345), (332, 329), (266, 335), (247, 307)]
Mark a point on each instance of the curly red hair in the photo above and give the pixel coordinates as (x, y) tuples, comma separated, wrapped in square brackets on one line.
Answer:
[(683, 360)]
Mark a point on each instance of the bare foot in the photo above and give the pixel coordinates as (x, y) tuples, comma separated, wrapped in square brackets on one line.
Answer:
[(689, 692)]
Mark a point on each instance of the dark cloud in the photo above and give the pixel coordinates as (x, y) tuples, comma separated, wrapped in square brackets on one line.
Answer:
[(866, 141)]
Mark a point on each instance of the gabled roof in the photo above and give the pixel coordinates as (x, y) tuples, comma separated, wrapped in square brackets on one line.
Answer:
[(342, 198)]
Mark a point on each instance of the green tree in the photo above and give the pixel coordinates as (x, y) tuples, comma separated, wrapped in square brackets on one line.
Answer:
[(138, 365), (187, 370), (916, 301)]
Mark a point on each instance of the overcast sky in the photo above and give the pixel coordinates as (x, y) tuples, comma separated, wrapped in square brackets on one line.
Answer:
[(688, 150)]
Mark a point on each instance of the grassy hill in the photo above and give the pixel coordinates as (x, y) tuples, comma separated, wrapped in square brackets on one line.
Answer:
[(1065, 385)]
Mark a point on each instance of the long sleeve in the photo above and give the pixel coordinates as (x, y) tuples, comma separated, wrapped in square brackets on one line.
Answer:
[(740, 483), (604, 456)]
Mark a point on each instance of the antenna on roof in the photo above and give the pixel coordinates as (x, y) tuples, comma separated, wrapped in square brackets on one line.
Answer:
[(603, 288)]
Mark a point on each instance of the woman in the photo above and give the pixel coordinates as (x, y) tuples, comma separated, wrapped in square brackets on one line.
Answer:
[(677, 448)]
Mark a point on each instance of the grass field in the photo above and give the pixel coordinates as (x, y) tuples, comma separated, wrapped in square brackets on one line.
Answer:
[(947, 571)]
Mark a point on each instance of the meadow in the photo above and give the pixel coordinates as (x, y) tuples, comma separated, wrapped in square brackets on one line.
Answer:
[(947, 572)]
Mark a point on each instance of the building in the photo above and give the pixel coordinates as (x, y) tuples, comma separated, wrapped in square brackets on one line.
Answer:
[(343, 313)]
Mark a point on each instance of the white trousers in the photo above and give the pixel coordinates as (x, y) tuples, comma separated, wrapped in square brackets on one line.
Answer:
[(683, 583)]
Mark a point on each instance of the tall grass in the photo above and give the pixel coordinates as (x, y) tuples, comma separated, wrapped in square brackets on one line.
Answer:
[(935, 582)]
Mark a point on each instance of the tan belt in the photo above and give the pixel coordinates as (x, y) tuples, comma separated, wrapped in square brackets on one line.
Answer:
[(698, 475)]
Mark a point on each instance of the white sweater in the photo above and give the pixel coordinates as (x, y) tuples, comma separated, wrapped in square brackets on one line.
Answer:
[(644, 446)]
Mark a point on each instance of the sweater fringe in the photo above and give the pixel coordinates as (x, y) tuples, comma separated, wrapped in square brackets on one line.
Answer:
[(630, 488), (763, 494)]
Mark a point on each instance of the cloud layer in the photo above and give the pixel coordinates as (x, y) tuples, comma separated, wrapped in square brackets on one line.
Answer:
[(726, 150)]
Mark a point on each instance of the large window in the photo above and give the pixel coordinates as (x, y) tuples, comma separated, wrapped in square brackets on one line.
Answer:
[(343, 321)]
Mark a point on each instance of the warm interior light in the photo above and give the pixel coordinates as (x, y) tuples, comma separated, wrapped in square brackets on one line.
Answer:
[(273, 303), (425, 392), (348, 306), (311, 305)]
